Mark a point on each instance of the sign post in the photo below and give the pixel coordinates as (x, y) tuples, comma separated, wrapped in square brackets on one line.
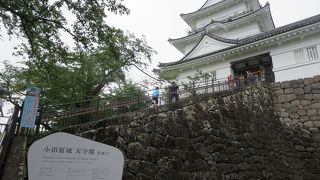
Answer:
[(63, 156), (30, 108)]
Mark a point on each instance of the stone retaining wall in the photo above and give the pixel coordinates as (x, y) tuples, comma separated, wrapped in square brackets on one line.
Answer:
[(15, 167), (297, 104), (230, 137)]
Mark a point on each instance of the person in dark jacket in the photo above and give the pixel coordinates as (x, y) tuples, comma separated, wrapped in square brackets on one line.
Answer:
[(173, 92)]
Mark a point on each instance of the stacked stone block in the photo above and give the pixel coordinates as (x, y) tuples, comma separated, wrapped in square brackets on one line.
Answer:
[(297, 104), (226, 137), (15, 167)]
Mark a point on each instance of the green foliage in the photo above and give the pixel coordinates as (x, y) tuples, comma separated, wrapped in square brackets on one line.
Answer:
[(82, 77), (123, 98), (199, 76), (9, 81), (100, 53), (46, 23), (169, 75), (130, 95), (196, 81)]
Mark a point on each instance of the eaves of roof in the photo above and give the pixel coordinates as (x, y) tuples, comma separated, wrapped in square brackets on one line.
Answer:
[(221, 22), (204, 4), (255, 38), (217, 38), (201, 9), (221, 39)]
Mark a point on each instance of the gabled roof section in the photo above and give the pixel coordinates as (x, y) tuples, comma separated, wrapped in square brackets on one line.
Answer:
[(209, 3), (210, 6), (204, 7), (227, 21), (214, 42), (208, 44), (178, 42), (252, 39)]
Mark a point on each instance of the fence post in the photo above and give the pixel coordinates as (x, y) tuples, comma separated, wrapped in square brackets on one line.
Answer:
[(97, 107), (168, 95), (193, 88), (206, 88), (10, 131), (212, 80), (39, 120), (19, 120)]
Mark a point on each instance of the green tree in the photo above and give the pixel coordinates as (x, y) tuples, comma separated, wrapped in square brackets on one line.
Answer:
[(99, 55), (196, 81), (84, 76), (130, 96), (9, 82), (169, 75), (45, 24)]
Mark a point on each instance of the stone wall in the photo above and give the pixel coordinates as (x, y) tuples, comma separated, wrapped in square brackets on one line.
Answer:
[(15, 167), (297, 104), (224, 137)]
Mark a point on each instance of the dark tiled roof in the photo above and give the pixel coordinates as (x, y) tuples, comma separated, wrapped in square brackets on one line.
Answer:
[(255, 38), (221, 39)]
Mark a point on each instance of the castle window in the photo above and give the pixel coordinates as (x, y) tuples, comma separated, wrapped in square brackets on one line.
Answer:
[(306, 54), (312, 53), (299, 55)]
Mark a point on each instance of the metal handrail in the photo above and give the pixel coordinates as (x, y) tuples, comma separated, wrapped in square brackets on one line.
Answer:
[(102, 108), (7, 136)]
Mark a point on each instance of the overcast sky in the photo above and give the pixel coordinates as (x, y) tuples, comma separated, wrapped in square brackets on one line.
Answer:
[(160, 20)]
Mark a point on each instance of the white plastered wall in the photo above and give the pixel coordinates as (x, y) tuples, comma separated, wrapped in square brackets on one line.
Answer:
[(241, 31), (285, 66), (189, 47), (206, 46), (220, 15), (221, 68)]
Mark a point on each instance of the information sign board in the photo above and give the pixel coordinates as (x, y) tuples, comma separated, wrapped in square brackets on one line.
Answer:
[(62, 156), (30, 107)]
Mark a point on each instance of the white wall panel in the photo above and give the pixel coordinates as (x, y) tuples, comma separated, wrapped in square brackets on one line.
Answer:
[(220, 15)]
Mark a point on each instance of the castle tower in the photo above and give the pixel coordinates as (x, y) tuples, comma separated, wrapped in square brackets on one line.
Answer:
[(231, 37), (218, 23)]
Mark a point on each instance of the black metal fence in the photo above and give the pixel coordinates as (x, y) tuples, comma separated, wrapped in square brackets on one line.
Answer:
[(69, 114), (8, 131), (74, 113), (61, 116)]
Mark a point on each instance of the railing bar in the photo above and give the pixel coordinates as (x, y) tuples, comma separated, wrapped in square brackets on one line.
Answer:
[(118, 106)]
